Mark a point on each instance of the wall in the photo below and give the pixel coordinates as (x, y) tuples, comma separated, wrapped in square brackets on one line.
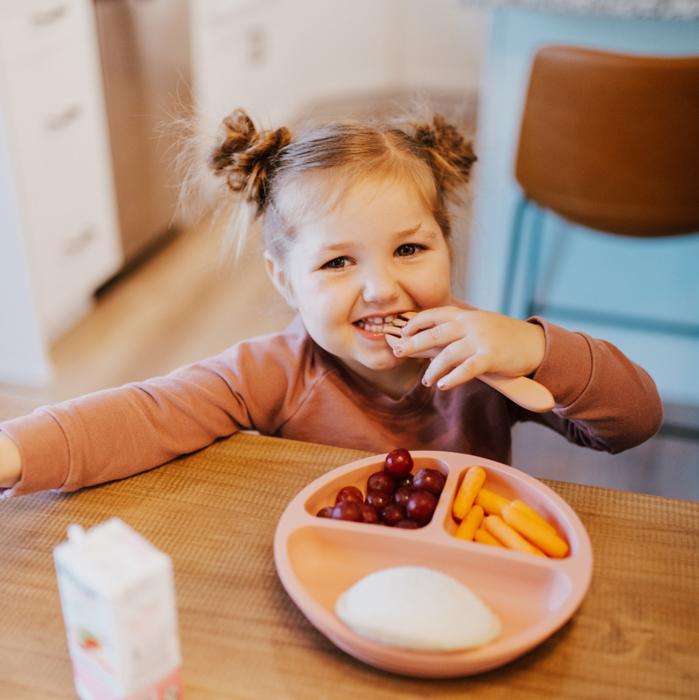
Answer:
[(278, 57)]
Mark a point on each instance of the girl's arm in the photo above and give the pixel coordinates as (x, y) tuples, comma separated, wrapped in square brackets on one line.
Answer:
[(119, 432), (603, 399), (116, 433)]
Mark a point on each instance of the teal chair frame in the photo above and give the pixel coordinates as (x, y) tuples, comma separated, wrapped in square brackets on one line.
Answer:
[(526, 238), (525, 243)]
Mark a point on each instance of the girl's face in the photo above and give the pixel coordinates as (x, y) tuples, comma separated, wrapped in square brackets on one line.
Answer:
[(376, 254)]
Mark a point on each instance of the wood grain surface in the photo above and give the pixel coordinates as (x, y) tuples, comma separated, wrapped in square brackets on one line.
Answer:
[(215, 512)]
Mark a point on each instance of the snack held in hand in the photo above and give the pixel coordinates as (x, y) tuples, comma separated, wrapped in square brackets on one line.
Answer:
[(417, 608), (394, 496)]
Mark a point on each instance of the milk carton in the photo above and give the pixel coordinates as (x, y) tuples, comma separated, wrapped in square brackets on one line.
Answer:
[(118, 602)]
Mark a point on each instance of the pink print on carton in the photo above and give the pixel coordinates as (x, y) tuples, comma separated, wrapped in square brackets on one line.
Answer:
[(90, 686)]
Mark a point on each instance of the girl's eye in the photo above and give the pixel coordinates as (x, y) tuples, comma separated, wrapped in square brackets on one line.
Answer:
[(408, 249), (336, 263)]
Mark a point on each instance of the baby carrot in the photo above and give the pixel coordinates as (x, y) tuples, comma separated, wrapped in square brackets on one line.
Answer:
[(549, 542), (484, 537), (533, 514), (492, 503), (468, 526), (473, 480), (510, 537)]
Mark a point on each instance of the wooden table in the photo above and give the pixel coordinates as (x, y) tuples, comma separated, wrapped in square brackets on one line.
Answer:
[(636, 634)]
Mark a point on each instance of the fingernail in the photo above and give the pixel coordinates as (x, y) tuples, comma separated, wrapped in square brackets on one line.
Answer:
[(441, 384), (425, 381), (397, 351)]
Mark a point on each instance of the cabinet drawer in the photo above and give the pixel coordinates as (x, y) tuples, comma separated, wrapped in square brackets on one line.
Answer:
[(44, 100), (69, 233), (72, 250), (62, 162), (70, 268), (33, 33)]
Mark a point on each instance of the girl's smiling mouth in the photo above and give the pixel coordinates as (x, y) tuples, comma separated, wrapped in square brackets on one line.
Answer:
[(374, 324)]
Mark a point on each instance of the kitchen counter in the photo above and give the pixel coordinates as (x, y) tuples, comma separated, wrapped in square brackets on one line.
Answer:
[(651, 9), (215, 513)]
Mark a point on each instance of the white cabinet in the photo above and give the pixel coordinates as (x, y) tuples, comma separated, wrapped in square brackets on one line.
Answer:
[(283, 59), (58, 228)]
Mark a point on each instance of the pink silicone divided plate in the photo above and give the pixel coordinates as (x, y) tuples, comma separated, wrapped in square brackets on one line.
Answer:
[(319, 558)]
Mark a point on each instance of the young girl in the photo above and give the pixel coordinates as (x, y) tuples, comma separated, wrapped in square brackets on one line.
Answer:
[(356, 230)]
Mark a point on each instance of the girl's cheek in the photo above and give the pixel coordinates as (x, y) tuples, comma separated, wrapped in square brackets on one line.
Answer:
[(432, 291)]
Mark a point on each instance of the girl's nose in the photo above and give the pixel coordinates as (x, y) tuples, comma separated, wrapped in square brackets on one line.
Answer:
[(379, 287)]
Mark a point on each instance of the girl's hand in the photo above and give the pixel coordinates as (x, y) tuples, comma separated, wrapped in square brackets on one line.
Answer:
[(466, 343), (10, 463)]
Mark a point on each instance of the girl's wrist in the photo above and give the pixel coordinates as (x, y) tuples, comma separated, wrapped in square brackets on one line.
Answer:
[(538, 346), (10, 462)]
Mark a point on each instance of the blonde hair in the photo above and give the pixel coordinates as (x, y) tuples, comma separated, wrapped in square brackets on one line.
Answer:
[(272, 169)]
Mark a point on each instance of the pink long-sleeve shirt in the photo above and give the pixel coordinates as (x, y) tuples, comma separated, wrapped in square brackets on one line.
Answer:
[(286, 385)]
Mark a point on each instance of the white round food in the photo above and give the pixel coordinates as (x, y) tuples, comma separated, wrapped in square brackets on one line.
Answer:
[(417, 608)]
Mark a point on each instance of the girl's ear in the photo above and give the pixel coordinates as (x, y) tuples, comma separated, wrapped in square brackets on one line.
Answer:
[(280, 279)]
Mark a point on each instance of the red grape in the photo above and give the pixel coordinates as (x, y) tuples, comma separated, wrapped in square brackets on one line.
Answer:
[(407, 480), (420, 506), (398, 463), (349, 493), (380, 481), (402, 494), (378, 499), (394, 496), (369, 513), (347, 510), (408, 524), (393, 514), (431, 480)]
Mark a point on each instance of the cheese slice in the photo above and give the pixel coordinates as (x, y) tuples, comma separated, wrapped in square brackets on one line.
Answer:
[(417, 608)]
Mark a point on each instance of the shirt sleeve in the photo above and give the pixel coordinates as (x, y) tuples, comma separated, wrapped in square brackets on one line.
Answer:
[(603, 399), (119, 432)]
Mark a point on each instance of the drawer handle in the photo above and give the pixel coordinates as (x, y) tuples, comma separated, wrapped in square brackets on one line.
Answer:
[(53, 14), (63, 119), (77, 243)]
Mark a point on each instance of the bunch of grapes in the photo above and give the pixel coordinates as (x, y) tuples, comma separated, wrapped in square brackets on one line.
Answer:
[(394, 496)]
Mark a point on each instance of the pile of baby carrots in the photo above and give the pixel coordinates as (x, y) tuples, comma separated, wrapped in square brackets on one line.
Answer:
[(488, 518)]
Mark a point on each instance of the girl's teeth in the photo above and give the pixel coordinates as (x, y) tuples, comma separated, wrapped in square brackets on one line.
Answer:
[(376, 324)]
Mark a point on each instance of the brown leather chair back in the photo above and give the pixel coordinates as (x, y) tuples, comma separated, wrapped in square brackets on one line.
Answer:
[(611, 141)]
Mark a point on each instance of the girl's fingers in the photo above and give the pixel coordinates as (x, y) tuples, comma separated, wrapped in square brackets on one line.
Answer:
[(448, 358), (463, 372), (398, 348), (430, 339), (429, 318)]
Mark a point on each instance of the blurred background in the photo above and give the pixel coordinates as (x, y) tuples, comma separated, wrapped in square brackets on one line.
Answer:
[(105, 280)]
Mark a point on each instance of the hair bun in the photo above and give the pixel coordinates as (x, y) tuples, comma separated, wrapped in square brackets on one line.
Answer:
[(451, 154), (246, 157)]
